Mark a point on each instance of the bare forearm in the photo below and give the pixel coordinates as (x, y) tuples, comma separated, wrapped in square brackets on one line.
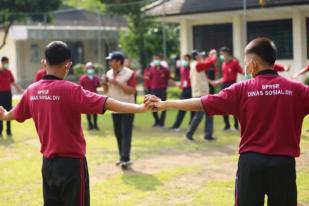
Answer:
[(18, 88), (122, 107), (193, 104), (7, 116)]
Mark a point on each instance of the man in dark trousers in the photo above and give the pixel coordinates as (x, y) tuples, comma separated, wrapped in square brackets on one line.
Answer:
[(6, 81), (90, 81), (56, 106), (120, 84), (230, 69), (268, 145), (159, 77)]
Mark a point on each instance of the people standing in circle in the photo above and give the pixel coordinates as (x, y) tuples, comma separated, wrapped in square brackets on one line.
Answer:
[(159, 77), (6, 81), (120, 83), (185, 85), (90, 81), (230, 69)]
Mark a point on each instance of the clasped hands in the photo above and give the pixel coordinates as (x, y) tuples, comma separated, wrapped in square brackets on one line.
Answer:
[(154, 103)]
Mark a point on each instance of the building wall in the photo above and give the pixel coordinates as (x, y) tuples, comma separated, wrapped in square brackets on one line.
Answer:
[(297, 14)]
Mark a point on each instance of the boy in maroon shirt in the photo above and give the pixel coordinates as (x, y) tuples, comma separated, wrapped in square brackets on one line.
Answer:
[(230, 69), (6, 81), (268, 145), (90, 81), (56, 106)]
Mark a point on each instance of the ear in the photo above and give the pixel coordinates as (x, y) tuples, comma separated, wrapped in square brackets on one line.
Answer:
[(44, 62), (68, 65)]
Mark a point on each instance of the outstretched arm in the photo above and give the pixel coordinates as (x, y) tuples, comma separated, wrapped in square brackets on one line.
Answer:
[(5, 115), (303, 71), (122, 107), (193, 104)]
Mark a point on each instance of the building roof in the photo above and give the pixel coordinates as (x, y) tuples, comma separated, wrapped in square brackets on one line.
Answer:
[(184, 7), (82, 17)]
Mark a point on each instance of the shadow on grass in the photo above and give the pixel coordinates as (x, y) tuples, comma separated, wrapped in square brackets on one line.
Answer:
[(6, 141), (141, 181)]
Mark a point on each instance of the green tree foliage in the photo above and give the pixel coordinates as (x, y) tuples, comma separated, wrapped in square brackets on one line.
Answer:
[(12, 11), (144, 36)]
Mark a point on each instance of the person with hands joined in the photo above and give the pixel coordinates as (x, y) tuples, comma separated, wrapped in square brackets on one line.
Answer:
[(56, 105), (268, 146)]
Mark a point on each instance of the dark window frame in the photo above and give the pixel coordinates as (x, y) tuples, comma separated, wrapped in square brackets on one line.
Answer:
[(280, 31)]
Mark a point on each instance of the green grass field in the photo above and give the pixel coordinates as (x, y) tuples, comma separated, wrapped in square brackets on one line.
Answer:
[(167, 169)]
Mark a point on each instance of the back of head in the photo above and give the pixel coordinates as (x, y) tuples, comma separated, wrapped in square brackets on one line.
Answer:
[(264, 48), (57, 53), (4, 59), (227, 50)]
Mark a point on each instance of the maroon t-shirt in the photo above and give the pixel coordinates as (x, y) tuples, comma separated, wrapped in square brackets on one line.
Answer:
[(147, 83), (56, 106), (40, 74), (230, 70), (185, 77), (89, 83), (6, 79), (159, 77), (270, 109)]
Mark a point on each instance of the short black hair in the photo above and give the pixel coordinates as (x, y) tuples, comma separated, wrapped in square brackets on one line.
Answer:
[(4, 59), (158, 55), (264, 48), (187, 56), (227, 50), (57, 52), (195, 53)]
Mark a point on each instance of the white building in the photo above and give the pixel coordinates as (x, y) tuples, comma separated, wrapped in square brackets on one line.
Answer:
[(207, 24), (90, 36)]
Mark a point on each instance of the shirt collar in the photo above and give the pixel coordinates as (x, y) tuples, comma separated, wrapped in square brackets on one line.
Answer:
[(267, 71), (50, 77)]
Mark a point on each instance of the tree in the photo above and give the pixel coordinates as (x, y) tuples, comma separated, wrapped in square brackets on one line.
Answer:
[(12, 11), (137, 23)]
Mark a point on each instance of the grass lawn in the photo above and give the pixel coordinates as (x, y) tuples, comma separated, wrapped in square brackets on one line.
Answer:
[(167, 169)]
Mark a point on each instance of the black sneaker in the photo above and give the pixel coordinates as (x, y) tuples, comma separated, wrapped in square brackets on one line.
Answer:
[(210, 138), (126, 165), (189, 138), (96, 128)]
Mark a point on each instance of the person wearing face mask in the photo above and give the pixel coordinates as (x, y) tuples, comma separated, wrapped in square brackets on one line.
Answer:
[(230, 69), (159, 77), (6, 81), (185, 85), (268, 145), (90, 81), (120, 84)]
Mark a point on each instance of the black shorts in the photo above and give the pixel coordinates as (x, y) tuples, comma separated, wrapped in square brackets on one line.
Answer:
[(65, 182), (259, 175)]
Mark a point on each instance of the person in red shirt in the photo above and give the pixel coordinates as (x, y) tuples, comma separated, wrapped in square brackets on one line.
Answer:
[(56, 105), (6, 80), (230, 69), (268, 145), (301, 72), (282, 68), (40, 74), (185, 86), (159, 77), (90, 81)]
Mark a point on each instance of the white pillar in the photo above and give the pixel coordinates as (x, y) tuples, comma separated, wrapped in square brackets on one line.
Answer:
[(238, 37), (299, 40), (186, 37)]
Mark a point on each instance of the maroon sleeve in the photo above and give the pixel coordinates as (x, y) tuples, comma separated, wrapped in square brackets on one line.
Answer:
[(278, 68), (223, 103), (21, 111), (12, 79), (168, 74), (204, 66), (87, 102), (239, 69), (132, 81), (306, 101)]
